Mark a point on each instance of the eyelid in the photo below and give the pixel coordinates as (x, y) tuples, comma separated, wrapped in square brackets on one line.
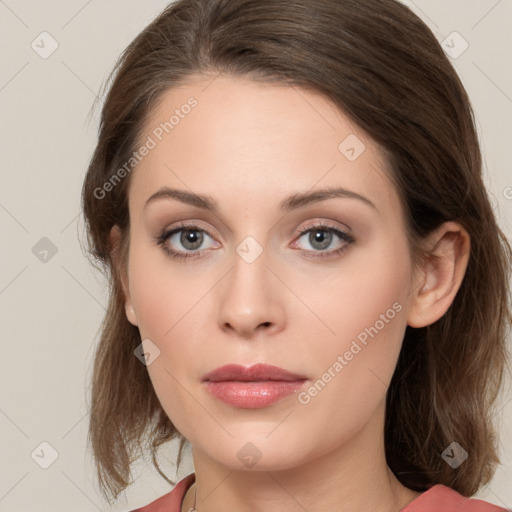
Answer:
[(322, 224)]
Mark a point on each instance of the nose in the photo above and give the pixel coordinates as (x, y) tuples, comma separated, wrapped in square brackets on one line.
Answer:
[(251, 299)]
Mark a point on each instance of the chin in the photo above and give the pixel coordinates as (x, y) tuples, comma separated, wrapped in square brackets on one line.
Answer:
[(257, 452)]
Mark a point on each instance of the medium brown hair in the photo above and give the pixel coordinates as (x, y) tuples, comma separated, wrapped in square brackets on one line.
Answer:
[(383, 67)]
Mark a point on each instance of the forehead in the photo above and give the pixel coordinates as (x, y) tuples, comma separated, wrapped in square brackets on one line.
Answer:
[(222, 135)]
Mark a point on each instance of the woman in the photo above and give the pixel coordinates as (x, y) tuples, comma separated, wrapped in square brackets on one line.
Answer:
[(308, 283)]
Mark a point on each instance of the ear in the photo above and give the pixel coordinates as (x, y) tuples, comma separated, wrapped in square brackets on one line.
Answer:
[(441, 275), (115, 251)]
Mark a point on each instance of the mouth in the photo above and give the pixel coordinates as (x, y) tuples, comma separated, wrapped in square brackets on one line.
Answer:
[(254, 387)]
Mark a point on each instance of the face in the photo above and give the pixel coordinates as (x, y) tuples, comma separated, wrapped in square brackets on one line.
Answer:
[(319, 287)]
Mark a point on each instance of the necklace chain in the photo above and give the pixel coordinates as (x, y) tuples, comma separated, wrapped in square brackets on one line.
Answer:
[(193, 508)]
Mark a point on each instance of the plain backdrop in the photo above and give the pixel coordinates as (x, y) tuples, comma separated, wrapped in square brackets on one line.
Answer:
[(52, 301)]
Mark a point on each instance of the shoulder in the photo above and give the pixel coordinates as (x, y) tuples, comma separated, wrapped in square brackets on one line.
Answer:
[(170, 502), (441, 498)]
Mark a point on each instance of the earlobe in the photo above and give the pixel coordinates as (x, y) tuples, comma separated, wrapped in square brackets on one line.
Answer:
[(441, 274), (117, 261), (130, 312)]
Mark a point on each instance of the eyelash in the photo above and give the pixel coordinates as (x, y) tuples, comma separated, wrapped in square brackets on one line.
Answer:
[(348, 238)]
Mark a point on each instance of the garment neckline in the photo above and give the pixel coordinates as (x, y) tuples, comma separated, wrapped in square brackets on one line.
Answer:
[(422, 496), (191, 478)]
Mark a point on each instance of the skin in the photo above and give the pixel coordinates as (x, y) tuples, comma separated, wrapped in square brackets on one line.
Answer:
[(249, 145)]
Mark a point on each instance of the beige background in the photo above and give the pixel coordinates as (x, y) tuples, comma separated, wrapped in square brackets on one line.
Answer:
[(50, 310)]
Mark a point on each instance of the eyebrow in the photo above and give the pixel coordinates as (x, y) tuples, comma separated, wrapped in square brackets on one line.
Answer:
[(292, 202)]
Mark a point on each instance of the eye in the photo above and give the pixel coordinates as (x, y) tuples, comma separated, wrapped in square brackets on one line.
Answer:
[(320, 237), (189, 236)]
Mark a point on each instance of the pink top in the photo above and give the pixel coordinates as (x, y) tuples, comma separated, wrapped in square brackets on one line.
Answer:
[(438, 498)]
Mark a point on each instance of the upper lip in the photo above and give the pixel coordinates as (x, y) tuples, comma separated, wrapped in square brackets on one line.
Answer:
[(256, 372)]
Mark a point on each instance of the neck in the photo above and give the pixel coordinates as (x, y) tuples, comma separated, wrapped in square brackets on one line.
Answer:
[(354, 477)]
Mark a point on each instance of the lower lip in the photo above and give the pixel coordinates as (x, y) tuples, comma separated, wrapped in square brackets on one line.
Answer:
[(253, 395)]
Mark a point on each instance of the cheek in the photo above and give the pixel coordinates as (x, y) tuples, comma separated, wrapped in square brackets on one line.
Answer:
[(370, 282), (169, 303), (164, 304), (365, 311), (159, 298)]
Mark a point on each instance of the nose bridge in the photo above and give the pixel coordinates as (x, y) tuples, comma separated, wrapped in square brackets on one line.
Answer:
[(249, 279)]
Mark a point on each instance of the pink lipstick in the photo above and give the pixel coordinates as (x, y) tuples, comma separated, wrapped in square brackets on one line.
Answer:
[(254, 387)]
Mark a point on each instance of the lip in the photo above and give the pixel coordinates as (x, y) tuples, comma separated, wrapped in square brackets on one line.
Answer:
[(252, 387), (253, 373)]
